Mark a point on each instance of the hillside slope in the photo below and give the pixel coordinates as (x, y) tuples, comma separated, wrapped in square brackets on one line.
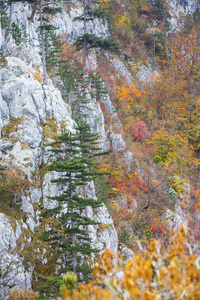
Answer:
[(144, 104)]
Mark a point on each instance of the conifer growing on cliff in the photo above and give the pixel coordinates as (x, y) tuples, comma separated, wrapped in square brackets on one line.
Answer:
[(89, 41), (75, 167)]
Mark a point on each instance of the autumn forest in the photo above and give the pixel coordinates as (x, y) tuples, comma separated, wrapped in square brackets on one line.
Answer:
[(148, 64)]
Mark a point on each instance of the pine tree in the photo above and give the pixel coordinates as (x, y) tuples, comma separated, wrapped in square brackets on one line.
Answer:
[(46, 29), (89, 41), (46, 9), (76, 168), (88, 142), (74, 85), (6, 18)]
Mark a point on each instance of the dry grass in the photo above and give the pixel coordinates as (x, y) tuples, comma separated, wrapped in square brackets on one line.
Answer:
[(37, 76)]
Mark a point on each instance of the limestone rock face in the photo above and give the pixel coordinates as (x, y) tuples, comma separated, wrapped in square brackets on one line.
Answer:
[(174, 220), (31, 113), (117, 142), (25, 107), (29, 109), (11, 264), (181, 7)]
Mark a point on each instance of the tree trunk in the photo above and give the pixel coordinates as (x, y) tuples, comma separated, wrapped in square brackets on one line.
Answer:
[(86, 212), (85, 39), (33, 12), (74, 253), (154, 53), (74, 261), (42, 41), (10, 17), (181, 168)]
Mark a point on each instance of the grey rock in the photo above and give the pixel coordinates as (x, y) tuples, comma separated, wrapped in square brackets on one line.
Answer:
[(117, 142), (31, 223), (1, 36), (181, 7), (50, 190), (13, 274), (5, 145), (106, 238), (146, 73), (4, 111), (27, 206), (23, 158), (18, 231), (18, 98), (126, 253), (174, 220), (121, 70), (7, 236), (38, 98), (96, 122), (30, 133), (36, 195), (12, 271)]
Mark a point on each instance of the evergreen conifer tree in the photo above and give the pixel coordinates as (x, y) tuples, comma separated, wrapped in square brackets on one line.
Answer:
[(76, 168), (46, 9), (89, 41), (88, 142), (5, 16)]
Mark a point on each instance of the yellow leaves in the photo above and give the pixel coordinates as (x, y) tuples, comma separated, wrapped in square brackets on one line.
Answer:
[(137, 272), (179, 185), (172, 149), (96, 272), (13, 181), (12, 126), (179, 245), (107, 258), (154, 274), (50, 128), (161, 136), (22, 294), (128, 94), (122, 19), (153, 250), (37, 76), (197, 205), (154, 31), (88, 291), (104, 3)]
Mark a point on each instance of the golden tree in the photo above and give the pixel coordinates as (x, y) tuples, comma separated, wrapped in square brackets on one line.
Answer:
[(155, 273)]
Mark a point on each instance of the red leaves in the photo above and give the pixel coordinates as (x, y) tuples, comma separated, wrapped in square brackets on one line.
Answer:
[(131, 203), (140, 133), (158, 230)]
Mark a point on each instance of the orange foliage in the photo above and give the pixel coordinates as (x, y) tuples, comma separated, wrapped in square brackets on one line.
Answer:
[(13, 181), (128, 94), (155, 273), (22, 295), (127, 188), (158, 231), (121, 177), (68, 51)]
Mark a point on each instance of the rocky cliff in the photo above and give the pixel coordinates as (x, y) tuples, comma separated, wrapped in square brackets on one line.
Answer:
[(30, 115)]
